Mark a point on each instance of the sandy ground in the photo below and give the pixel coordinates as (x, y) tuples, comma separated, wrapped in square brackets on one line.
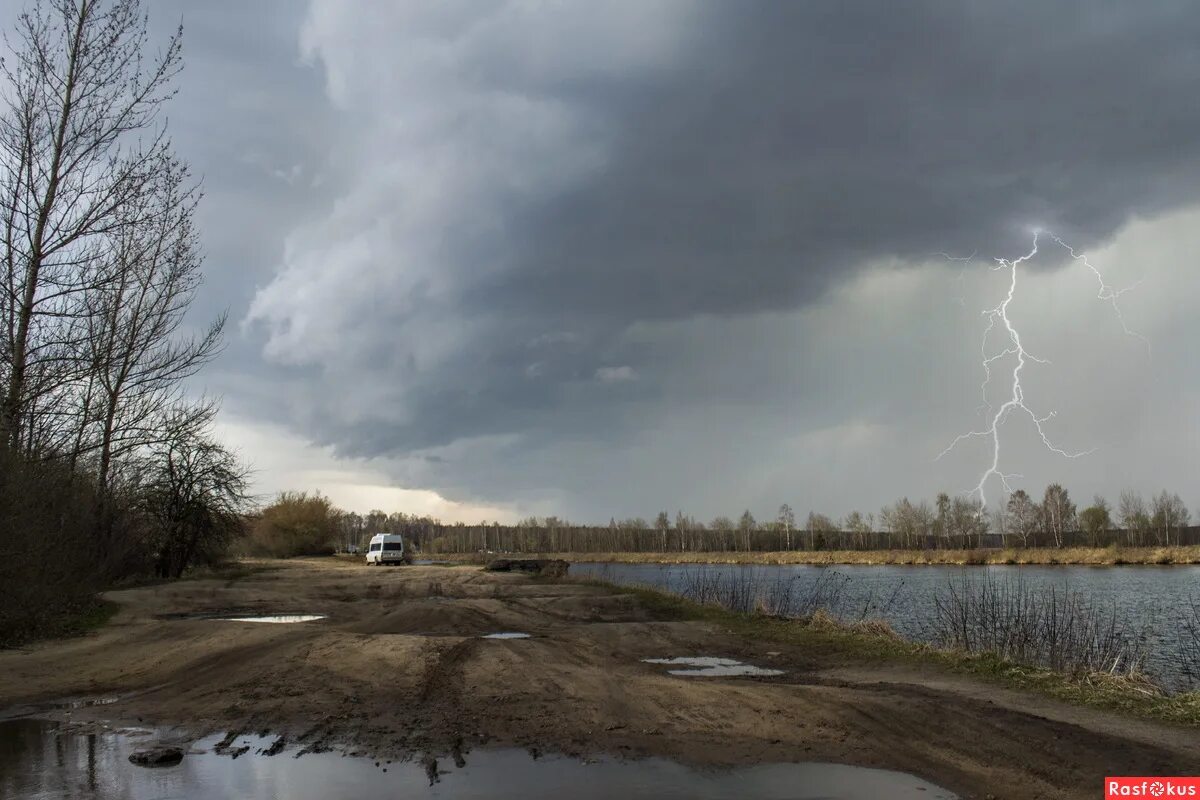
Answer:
[(398, 670)]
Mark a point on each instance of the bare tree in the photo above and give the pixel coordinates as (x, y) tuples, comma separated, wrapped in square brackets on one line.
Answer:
[(1168, 515), (941, 526), (1024, 515), (1058, 512), (965, 519), (683, 525), (1095, 520), (910, 522), (1133, 516), (195, 490), (723, 528), (819, 527), (71, 169), (860, 526), (787, 521), (662, 523), (135, 357), (746, 526)]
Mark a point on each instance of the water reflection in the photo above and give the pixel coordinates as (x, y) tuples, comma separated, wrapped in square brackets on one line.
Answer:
[(50, 761)]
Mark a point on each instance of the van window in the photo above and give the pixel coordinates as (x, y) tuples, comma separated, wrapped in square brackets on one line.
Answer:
[(393, 546), (375, 547)]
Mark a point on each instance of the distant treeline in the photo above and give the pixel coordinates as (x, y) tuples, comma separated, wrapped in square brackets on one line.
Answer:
[(524, 538), (947, 523)]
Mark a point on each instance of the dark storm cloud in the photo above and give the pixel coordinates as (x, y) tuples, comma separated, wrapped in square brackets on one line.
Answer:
[(594, 251), (780, 148), (797, 140)]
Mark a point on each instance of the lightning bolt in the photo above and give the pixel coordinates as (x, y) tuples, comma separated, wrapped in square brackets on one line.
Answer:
[(1107, 293), (962, 275), (1012, 347)]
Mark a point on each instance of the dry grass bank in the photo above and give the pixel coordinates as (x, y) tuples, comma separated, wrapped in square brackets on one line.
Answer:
[(1095, 556)]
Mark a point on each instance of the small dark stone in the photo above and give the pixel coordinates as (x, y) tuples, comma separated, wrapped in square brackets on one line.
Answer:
[(156, 757), (276, 747)]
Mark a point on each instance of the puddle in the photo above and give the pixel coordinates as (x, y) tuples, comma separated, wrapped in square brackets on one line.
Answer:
[(281, 619), (711, 667), (505, 636), (239, 615), (42, 760)]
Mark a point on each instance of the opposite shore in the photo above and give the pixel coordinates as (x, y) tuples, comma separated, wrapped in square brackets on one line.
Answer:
[(1086, 556)]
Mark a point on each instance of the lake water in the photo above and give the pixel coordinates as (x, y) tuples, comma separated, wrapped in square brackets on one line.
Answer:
[(1150, 599), (42, 760)]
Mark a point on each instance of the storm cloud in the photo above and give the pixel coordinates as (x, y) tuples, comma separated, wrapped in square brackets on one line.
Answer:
[(530, 240)]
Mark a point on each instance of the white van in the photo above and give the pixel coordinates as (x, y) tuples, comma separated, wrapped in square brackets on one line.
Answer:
[(386, 548)]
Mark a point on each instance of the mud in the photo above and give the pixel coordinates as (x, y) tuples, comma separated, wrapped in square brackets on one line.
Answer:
[(397, 671)]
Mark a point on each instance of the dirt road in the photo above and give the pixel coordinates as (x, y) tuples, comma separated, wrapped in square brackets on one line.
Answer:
[(397, 668)]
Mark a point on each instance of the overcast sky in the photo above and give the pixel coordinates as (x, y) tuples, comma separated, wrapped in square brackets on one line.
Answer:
[(602, 259)]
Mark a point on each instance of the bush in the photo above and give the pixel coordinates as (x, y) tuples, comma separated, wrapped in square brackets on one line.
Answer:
[(48, 555), (62, 541), (296, 524)]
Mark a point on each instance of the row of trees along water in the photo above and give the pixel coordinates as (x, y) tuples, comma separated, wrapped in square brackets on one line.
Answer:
[(107, 468), (947, 523)]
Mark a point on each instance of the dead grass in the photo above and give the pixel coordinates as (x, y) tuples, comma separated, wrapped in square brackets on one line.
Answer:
[(1096, 556)]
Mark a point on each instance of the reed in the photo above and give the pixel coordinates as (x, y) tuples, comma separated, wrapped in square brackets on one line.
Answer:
[(1047, 626)]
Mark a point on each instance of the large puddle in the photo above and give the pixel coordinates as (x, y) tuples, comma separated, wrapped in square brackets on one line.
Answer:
[(42, 760)]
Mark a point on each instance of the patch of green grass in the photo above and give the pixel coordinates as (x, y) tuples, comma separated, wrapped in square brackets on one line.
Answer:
[(233, 571), (93, 617), (230, 571), (87, 617), (833, 644)]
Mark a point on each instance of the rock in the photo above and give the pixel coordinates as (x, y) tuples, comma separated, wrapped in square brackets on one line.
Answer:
[(276, 747), (156, 756), (545, 567)]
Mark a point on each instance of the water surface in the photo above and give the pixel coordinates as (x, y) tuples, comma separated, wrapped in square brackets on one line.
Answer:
[(46, 761)]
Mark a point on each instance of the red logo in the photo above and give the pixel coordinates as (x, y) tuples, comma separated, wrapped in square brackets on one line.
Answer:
[(1160, 786)]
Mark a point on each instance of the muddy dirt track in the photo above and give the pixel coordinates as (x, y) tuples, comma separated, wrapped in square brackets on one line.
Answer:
[(397, 670)]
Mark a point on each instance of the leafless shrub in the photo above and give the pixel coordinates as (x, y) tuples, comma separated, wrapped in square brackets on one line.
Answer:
[(1187, 655), (754, 591), (1044, 626)]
